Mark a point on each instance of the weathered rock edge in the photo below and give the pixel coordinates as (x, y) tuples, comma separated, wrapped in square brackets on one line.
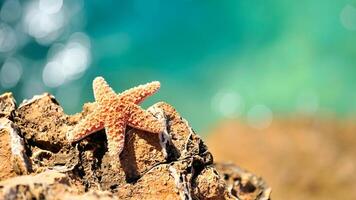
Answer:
[(175, 164)]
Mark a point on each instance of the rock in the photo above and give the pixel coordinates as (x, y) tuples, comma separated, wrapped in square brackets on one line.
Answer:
[(243, 184), (34, 187), (13, 157), (209, 185), (6, 167), (7, 105), (175, 164), (42, 122)]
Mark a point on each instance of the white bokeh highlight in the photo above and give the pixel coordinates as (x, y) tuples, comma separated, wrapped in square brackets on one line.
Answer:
[(8, 40), (307, 103), (68, 62), (10, 11), (44, 22), (50, 6), (348, 17), (260, 117), (10, 73), (227, 103)]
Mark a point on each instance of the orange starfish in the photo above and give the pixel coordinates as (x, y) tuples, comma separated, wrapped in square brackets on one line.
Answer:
[(113, 112)]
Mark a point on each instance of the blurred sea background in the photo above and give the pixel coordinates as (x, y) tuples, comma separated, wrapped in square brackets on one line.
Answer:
[(214, 58), (250, 61)]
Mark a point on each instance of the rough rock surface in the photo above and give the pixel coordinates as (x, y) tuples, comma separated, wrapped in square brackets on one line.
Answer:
[(37, 162), (243, 184), (7, 105)]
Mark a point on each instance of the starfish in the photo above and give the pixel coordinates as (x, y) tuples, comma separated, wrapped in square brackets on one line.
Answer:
[(113, 112)]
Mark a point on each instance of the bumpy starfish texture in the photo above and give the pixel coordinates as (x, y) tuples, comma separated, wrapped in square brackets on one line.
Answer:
[(113, 112)]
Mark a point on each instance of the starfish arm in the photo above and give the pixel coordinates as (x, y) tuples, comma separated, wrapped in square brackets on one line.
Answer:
[(102, 91), (143, 120), (90, 124), (138, 94), (115, 132)]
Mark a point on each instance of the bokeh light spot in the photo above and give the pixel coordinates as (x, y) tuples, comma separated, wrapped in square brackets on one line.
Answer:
[(68, 62), (10, 11), (40, 24), (10, 73), (307, 103), (8, 39), (50, 6), (260, 117), (227, 103), (348, 17), (75, 59), (52, 75)]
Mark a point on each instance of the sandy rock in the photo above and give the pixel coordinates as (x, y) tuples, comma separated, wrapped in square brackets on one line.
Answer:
[(6, 167), (175, 164), (7, 105), (13, 157), (42, 122), (34, 187), (243, 184), (209, 185), (13, 160)]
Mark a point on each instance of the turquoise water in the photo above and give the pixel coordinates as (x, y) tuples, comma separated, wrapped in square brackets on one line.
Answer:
[(214, 59)]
